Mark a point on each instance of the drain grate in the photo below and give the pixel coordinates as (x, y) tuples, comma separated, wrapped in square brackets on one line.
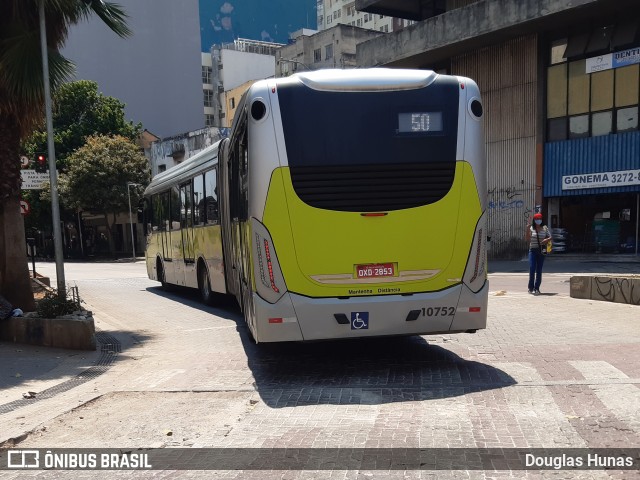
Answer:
[(109, 349)]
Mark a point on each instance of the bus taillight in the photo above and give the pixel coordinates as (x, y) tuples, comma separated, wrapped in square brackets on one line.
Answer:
[(270, 284), (270, 267)]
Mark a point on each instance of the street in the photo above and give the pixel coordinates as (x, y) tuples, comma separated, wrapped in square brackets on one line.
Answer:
[(548, 372)]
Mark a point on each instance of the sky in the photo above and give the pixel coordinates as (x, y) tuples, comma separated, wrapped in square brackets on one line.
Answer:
[(222, 21)]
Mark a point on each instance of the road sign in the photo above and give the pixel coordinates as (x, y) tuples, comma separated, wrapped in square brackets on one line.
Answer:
[(25, 208), (24, 161), (32, 180)]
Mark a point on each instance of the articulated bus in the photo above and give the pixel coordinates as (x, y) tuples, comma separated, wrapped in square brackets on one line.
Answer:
[(344, 204)]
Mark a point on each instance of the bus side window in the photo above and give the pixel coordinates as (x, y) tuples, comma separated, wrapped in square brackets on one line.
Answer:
[(175, 209), (238, 170), (186, 201), (166, 216), (198, 200), (211, 191)]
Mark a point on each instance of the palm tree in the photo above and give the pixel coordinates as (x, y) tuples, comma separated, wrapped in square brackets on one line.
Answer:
[(22, 107)]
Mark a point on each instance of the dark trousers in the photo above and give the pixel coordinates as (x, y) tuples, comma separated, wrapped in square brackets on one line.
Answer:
[(536, 259)]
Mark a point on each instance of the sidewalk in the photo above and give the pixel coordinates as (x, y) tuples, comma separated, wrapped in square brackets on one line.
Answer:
[(573, 263)]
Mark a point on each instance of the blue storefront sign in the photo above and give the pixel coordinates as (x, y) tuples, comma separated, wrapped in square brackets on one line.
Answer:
[(613, 60), (592, 166), (601, 179), (627, 57)]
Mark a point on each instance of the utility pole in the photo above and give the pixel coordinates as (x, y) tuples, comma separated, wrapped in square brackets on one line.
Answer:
[(133, 240), (53, 177)]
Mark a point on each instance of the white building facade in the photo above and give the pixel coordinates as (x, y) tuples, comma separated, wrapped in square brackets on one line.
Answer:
[(343, 12), (229, 66)]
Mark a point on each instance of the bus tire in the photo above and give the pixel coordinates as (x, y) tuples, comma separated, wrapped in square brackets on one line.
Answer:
[(204, 285), (246, 310), (161, 276)]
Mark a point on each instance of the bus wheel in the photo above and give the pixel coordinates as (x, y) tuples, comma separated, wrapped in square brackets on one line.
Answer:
[(247, 311), (161, 277), (204, 285)]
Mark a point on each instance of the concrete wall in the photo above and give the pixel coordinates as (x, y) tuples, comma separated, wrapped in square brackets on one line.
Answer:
[(171, 151), (475, 25), (344, 40), (240, 67), (156, 72), (507, 77), (606, 288)]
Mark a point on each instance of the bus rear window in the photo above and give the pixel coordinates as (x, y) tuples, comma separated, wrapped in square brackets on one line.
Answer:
[(364, 128), (371, 151)]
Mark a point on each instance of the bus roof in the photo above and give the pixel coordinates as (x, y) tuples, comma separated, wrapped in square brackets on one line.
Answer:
[(200, 162), (368, 79)]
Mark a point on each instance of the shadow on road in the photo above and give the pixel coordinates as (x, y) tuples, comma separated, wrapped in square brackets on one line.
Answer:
[(362, 371), (225, 305), (37, 366)]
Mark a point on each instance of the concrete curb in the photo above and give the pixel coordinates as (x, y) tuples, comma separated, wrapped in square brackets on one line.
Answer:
[(76, 331), (608, 288), (71, 331)]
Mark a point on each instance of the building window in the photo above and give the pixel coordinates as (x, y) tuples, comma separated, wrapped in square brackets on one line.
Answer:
[(627, 119), (602, 90), (627, 85), (579, 126), (557, 129), (558, 47), (601, 123), (233, 102), (206, 74), (328, 19), (208, 97), (328, 52), (317, 55), (208, 120), (581, 104)]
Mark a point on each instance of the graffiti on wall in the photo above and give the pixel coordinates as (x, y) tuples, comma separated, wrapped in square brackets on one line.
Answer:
[(616, 289), (509, 211)]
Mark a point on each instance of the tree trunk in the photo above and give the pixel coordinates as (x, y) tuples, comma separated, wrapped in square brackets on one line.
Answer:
[(15, 281)]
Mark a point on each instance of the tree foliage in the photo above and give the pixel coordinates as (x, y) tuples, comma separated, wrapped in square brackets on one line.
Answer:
[(80, 111), (21, 107), (98, 174)]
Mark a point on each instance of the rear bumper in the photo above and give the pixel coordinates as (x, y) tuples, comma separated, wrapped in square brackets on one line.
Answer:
[(455, 309)]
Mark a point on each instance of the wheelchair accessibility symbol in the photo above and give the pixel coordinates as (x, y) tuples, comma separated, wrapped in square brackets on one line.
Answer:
[(359, 320)]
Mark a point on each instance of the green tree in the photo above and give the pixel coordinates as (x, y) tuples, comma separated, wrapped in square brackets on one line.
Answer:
[(97, 174), (80, 111), (21, 108)]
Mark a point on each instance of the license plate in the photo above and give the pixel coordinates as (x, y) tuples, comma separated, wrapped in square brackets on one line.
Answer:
[(375, 270)]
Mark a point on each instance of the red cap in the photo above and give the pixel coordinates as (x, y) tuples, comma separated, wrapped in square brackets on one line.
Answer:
[(537, 216)]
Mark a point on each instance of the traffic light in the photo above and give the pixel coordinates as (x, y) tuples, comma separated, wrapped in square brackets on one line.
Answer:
[(41, 162)]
